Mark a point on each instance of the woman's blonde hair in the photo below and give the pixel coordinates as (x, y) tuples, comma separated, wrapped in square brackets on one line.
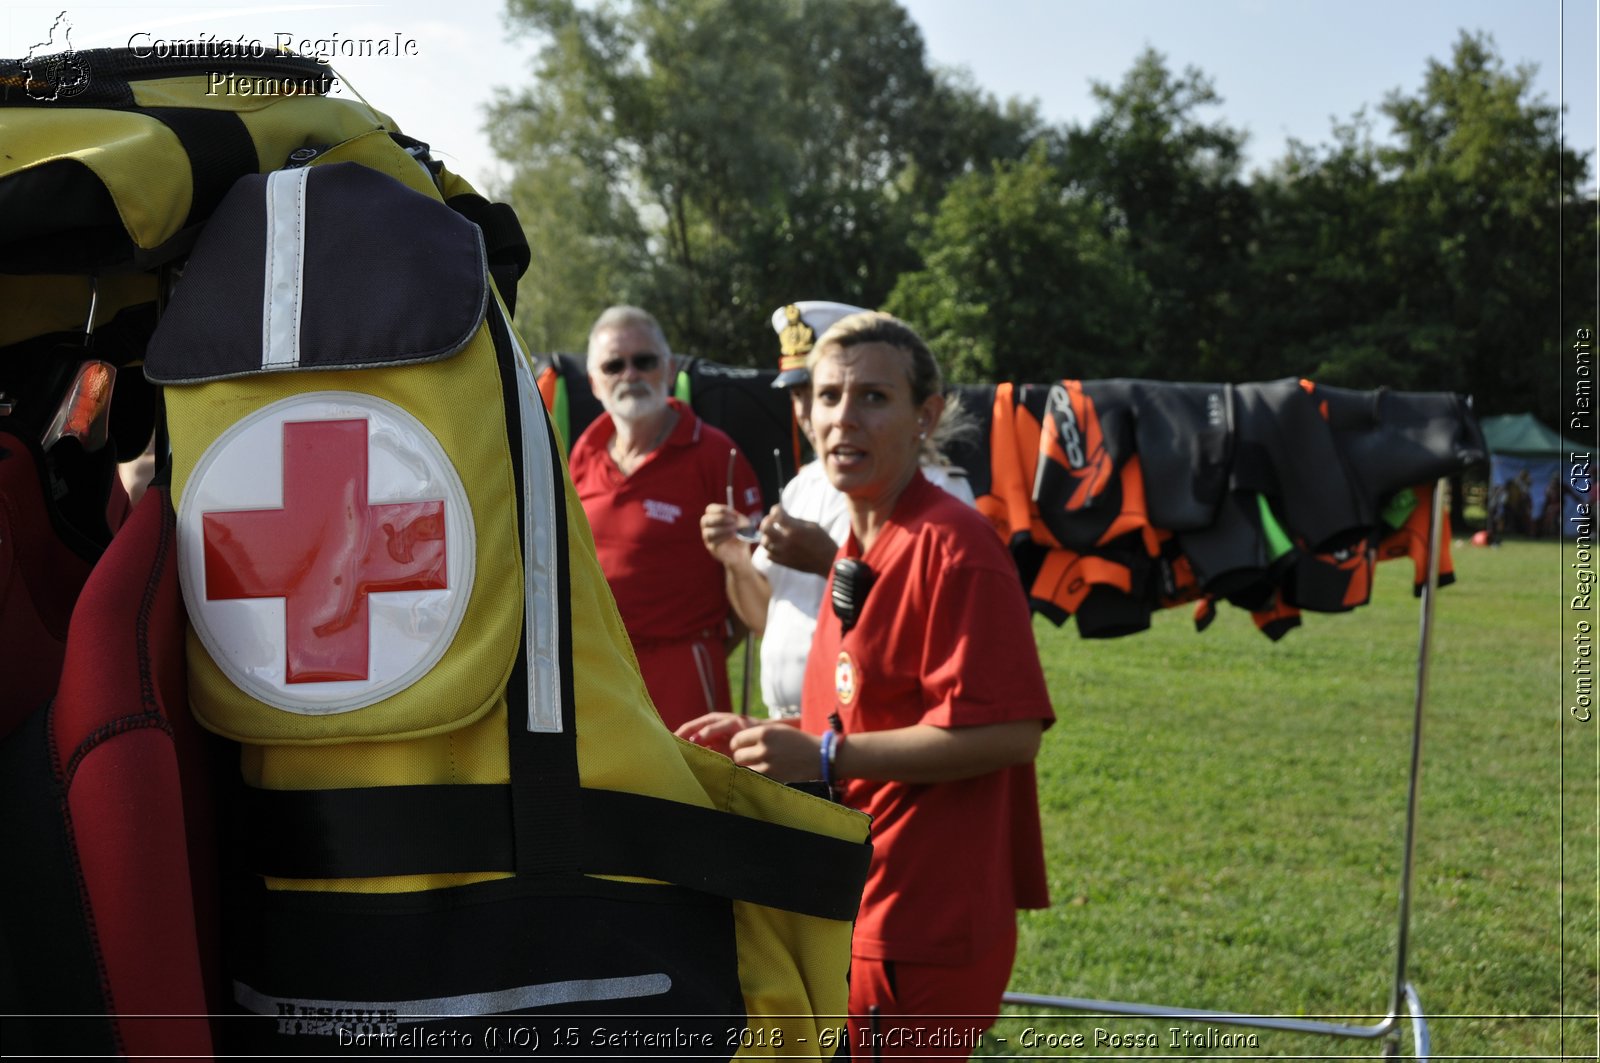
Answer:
[(874, 326)]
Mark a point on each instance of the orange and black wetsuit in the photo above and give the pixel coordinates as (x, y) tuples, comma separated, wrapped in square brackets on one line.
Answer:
[(1392, 440), (1285, 450), (1183, 434), (1269, 494), (1089, 492)]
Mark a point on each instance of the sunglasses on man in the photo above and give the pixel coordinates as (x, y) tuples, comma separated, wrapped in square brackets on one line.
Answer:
[(643, 362)]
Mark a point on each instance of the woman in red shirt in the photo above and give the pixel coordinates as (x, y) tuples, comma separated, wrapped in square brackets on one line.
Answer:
[(923, 706)]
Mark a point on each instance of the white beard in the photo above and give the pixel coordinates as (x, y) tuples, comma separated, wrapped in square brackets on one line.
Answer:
[(636, 404)]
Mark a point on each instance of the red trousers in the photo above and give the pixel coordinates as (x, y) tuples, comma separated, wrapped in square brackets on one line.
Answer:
[(924, 1009), (686, 679)]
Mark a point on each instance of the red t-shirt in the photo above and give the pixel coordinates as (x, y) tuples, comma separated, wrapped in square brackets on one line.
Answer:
[(647, 526), (944, 638)]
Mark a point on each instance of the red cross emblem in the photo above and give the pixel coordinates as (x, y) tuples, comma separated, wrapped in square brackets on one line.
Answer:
[(325, 551)]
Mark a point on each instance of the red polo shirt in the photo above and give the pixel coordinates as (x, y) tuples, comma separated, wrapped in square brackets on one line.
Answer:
[(647, 526), (945, 639)]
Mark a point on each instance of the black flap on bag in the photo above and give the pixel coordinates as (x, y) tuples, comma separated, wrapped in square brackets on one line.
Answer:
[(325, 267)]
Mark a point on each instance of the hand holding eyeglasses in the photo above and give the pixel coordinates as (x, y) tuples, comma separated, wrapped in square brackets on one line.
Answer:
[(749, 531)]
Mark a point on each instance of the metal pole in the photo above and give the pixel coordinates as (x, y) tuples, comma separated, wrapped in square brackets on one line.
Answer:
[(749, 656), (1424, 652), (1404, 999), (1227, 1018), (1421, 1042)]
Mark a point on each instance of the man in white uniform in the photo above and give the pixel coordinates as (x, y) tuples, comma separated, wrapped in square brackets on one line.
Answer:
[(778, 589)]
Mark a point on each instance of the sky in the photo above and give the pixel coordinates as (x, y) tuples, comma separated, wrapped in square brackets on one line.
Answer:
[(1284, 68)]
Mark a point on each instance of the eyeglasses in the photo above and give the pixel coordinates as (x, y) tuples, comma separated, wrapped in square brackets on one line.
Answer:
[(643, 362), (749, 531)]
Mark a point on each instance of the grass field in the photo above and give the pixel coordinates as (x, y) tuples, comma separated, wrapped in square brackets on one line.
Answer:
[(1224, 824), (1224, 818)]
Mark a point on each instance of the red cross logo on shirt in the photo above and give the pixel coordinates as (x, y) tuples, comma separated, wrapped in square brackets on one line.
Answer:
[(325, 550)]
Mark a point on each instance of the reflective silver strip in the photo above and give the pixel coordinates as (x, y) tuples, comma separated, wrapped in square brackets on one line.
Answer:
[(541, 611), (578, 991), (285, 268)]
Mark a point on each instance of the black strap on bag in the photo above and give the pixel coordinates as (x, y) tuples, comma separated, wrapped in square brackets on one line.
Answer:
[(403, 830), (217, 144), (503, 239), (545, 824)]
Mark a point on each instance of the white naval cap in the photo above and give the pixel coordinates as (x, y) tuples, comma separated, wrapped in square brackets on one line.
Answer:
[(798, 325)]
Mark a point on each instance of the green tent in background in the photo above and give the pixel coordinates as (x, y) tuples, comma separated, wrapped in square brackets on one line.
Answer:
[(1533, 487), (1525, 435)]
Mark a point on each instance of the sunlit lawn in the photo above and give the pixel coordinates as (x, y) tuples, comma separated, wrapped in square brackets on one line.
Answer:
[(1224, 820)]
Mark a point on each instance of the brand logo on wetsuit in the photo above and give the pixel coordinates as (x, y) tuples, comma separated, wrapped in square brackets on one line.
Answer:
[(1067, 425)]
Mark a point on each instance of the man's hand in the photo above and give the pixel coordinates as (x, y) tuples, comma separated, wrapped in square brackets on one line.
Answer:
[(717, 527), (797, 544)]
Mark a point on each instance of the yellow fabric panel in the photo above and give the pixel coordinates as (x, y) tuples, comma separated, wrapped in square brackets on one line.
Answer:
[(796, 1001), (474, 753), (134, 155), (799, 1000), (277, 124), (307, 122), (52, 303), (458, 400), (452, 184), (746, 793), (618, 728), (377, 151), (311, 111)]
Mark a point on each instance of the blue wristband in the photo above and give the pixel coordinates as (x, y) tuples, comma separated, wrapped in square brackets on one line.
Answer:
[(828, 738)]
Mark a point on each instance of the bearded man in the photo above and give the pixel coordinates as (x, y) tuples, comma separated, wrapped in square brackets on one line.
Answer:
[(645, 471)]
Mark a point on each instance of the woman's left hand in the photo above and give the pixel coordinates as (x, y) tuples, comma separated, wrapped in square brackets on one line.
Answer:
[(778, 750)]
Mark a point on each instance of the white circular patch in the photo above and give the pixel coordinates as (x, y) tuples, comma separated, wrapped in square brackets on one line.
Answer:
[(335, 552)]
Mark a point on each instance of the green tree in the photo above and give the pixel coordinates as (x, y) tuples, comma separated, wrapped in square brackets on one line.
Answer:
[(1321, 301), (1115, 249), (1025, 280), (1170, 179), (585, 252), (713, 160), (1427, 262), (1482, 179)]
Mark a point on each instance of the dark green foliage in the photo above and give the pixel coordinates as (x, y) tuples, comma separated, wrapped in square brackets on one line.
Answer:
[(1016, 253), (1431, 263), (714, 160), (1172, 181)]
